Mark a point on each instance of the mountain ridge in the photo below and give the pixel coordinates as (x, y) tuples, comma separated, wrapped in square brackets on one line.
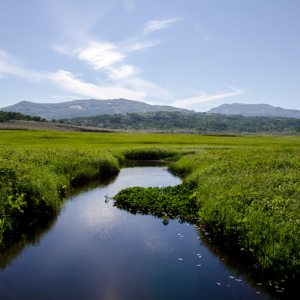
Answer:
[(87, 108), (255, 110)]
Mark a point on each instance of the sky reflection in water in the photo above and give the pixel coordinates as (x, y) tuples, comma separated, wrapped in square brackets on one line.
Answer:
[(96, 251)]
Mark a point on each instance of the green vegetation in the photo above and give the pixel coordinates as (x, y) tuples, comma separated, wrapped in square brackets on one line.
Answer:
[(244, 189), (197, 122), (251, 197), (171, 202), (88, 140), (7, 116), (32, 182)]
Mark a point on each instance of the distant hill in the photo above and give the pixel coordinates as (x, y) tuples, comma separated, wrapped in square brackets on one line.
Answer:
[(87, 108), (251, 110)]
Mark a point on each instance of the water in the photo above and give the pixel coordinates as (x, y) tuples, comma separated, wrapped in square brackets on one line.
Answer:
[(94, 250)]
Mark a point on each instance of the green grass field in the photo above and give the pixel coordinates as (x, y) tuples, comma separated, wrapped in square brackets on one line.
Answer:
[(246, 188), (86, 140)]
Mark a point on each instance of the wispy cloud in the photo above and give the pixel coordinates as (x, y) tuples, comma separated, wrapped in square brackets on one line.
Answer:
[(10, 65), (110, 59), (136, 45), (184, 103), (122, 72), (158, 24), (100, 55), (69, 82), (124, 84)]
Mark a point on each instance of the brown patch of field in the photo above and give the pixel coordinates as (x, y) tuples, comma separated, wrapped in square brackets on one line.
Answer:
[(29, 125), (221, 135)]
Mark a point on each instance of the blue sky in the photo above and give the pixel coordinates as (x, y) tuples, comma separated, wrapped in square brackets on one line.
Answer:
[(194, 54)]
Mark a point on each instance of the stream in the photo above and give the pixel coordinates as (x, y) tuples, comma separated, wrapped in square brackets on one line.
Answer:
[(93, 250)]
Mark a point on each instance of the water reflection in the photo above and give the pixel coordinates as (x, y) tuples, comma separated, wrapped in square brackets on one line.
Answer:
[(30, 236)]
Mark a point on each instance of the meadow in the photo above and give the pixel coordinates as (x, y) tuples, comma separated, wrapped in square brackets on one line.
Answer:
[(244, 189)]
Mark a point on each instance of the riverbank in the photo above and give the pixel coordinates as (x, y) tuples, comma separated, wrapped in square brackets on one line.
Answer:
[(33, 182), (251, 197)]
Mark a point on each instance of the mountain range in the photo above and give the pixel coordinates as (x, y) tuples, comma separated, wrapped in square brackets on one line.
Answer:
[(87, 108), (255, 110), (92, 107)]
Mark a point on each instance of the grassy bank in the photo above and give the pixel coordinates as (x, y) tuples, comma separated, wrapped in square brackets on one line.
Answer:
[(33, 182), (251, 197)]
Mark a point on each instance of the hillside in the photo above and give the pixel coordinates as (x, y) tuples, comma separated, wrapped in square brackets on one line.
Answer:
[(255, 110), (86, 108), (196, 123)]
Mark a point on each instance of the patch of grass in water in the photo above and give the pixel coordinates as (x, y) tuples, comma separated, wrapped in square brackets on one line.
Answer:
[(173, 201)]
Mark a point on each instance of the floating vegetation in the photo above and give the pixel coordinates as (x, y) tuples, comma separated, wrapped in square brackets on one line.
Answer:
[(172, 202)]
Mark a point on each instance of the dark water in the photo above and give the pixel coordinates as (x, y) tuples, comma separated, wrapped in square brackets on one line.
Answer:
[(94, 250)]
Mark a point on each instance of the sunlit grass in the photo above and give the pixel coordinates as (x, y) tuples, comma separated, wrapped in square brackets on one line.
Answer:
[(54, 139), (251, 196)]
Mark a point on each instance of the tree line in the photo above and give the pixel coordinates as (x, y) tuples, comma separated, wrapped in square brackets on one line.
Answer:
[(199, 122), (169, 121), (9, 115)]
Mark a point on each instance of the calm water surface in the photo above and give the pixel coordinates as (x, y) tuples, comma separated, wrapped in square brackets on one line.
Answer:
[(94, 250)]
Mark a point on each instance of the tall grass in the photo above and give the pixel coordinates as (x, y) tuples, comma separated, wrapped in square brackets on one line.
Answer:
[(252, 197), (32, 182)]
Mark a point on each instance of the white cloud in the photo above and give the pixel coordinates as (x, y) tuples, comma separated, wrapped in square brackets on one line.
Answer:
[(158, 24), (135, 45), (124, 84), (109, 58), (100, 55), (69, 82), (184, 103), (122, 72)]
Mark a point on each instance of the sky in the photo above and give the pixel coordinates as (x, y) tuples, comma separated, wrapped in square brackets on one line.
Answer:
[(194, 54)]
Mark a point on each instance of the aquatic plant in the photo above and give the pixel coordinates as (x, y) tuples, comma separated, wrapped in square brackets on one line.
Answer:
[(173, 201)]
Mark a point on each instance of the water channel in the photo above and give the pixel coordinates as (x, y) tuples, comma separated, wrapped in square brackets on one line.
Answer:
[(94, 250)]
